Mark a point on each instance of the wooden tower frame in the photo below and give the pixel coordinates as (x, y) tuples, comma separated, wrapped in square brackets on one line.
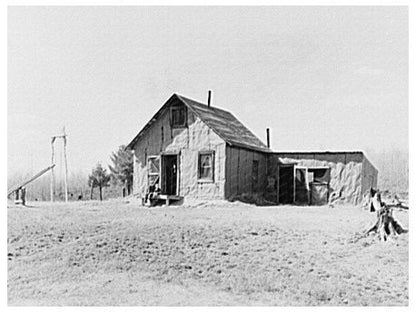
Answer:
[(64, 137)]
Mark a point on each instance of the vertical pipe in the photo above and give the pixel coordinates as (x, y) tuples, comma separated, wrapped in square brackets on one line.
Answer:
[(268, 137), (209, 98)]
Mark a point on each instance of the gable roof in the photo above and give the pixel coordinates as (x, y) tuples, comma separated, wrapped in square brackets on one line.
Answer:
[(222, 122)]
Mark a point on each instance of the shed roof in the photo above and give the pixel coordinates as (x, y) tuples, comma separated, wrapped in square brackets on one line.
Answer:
[(321, 152), (290, 154), (222, 122)]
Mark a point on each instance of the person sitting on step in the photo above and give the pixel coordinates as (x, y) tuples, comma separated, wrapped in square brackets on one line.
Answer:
[(153, 192)]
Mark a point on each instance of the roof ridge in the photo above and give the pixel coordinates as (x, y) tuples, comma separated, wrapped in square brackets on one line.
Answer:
[(185, 98)]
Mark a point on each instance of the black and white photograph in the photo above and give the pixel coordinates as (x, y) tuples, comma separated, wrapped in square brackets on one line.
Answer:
[(207, 156)]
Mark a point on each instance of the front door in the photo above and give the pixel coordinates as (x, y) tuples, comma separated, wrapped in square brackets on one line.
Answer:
[(170, 174)]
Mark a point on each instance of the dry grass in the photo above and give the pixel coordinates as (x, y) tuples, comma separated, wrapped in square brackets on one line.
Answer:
[(217, 253)]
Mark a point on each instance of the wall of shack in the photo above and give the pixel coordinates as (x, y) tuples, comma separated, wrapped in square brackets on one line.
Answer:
[(240, 176), (187, 143), (369, 176), (346, 170)]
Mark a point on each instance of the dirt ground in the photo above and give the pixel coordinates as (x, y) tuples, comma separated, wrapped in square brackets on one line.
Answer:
[(212, 253)]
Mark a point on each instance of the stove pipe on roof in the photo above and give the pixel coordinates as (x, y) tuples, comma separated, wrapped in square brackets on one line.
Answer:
[(209, 98), (268, 137)]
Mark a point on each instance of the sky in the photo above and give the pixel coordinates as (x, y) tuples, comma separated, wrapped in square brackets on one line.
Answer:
[(321, 78)]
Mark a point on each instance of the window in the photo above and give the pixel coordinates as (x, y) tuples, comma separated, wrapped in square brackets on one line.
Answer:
[(319, 175), (153, 170), (178, 116), (206, 166)]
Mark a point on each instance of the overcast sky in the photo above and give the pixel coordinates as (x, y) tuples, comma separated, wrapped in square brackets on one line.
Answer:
[(330, 78)]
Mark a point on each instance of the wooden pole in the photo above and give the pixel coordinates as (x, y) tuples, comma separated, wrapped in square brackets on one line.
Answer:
[(21, 185), (66, 168), (52, 170), (63, 136)]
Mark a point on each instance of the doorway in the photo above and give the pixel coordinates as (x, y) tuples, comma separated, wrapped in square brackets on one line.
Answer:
[(301, 186), (286, 184), (170, 174)]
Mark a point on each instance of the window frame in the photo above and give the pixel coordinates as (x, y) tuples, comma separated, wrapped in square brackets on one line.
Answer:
[(209, 179), (315, 170), (185, 112)]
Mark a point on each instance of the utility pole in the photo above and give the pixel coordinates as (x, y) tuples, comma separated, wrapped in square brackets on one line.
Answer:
[(63, 136)]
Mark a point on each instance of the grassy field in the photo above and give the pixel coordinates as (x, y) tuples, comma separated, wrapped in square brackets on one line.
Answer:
[(216, 253)]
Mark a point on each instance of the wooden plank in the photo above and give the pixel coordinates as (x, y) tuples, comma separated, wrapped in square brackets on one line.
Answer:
[(354, 157), (249, 171), (294, 184), (278, 184), (227, 185), (239, 175), (241, 170), (233, 171), (262, 176)]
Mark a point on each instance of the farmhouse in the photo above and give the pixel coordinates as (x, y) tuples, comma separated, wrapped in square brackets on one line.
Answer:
[(195, 150)]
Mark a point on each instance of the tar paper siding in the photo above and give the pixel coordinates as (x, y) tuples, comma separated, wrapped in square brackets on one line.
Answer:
[(350, 172), (187, 142), (369, 176)]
